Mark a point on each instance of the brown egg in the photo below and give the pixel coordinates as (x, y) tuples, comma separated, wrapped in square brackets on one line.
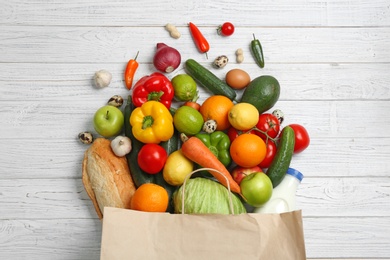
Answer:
[(237, 78)]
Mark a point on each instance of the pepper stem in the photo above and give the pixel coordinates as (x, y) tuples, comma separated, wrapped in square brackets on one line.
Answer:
[(155, 95), (136, 56), (147, 122)]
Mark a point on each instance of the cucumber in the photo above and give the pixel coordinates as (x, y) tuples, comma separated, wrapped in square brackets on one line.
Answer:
[(208, 80), (279, 166), (262, 92), (139, 176)]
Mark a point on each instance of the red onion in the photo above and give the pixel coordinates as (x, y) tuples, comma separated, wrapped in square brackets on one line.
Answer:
[(166, 59)]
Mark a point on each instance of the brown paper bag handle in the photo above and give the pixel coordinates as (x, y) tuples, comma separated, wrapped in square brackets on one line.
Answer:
[(206, 169)]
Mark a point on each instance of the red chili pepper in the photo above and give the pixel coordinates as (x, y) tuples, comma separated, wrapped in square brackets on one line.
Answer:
[(131, 68), (200, 41), (155, 86)]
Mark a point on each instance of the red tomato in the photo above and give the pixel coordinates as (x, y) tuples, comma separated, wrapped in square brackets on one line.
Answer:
[(234, 133), (151, 158), (226, 29), (269, 124), (302, 139), (269, 156)]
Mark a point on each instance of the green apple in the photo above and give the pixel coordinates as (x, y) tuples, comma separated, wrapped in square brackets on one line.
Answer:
[(256, 188), (108, 121)]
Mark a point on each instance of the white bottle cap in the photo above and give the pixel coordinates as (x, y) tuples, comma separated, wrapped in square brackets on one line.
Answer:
[(295, 173)]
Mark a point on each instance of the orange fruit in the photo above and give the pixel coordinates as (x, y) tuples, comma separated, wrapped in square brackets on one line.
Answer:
[(217, 107), (248, 150), (150, 197)]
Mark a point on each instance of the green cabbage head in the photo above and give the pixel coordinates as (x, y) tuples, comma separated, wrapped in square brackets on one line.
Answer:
[(204, 196)]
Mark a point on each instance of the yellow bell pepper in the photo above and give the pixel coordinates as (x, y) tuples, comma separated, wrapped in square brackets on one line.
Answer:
[(152, 122)]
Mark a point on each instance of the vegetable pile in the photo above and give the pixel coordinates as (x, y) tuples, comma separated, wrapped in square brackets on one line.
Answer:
[(166, 144)]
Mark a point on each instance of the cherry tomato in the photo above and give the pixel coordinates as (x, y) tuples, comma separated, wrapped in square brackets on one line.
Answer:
[(234, 133), (151, 158), (302, 139), (269, 124), (226, 29), (270, 154)]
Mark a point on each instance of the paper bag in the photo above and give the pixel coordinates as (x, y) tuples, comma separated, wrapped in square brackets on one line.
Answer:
[(129, 234)]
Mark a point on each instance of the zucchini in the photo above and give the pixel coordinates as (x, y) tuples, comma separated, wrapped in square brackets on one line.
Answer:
[(170, 146), (139, 176), (208, 80), (279, 166)]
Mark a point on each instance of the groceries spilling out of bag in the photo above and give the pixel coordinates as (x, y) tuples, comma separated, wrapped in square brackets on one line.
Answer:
[(175, 178)]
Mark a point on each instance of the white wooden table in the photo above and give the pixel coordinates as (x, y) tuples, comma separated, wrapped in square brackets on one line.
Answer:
[(332, 59)]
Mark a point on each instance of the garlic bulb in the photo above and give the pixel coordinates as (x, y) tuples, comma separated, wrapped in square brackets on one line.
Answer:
[(121, 145), (102, 78)]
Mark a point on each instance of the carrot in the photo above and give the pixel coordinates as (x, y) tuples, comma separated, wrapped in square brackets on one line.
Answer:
[(192, 104), (198, 152), (131, 67)]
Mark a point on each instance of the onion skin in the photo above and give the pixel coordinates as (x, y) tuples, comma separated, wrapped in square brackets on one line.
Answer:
[(166, 59)]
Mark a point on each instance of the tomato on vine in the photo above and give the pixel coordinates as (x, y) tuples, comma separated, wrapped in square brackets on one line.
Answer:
[(234, 133), (268, 125), (226, 29), (270, 154)]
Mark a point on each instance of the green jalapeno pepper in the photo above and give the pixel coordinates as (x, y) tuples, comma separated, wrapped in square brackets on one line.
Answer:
[(257, 52), (219, 144)]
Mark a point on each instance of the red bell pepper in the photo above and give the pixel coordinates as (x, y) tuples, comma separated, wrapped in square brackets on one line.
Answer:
[(153, 87)]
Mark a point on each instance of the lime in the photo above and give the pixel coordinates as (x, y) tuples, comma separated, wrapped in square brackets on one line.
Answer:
[(188, 120), (184, 86), (176, 168)]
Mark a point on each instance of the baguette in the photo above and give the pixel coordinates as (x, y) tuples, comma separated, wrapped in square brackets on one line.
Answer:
[(106, 177)]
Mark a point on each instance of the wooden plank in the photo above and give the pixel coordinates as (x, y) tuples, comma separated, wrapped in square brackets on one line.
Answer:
[(298, 81), (347, 238), (50, 239), (342, 197), (323, 119), (45, 199), (61, 158), (325, 238), (275, 13), (317, 197), (115, 44)]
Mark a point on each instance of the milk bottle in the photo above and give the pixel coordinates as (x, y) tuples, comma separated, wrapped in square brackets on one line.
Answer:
[(283, 196)]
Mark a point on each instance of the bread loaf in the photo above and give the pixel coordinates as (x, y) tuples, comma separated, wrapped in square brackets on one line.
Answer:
[(106, 177)]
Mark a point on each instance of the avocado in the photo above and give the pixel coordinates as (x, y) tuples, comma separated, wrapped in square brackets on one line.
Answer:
[(262, 92)]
